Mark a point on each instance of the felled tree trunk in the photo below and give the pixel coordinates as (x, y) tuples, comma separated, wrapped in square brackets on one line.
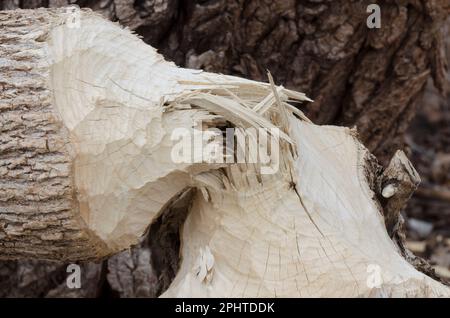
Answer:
[(88, 165), (297, 41), (357, 76)]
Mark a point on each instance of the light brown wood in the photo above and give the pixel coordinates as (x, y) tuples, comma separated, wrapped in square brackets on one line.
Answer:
[(88, 113)]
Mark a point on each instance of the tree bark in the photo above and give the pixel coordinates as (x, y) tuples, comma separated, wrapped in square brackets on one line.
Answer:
[(367, 78)]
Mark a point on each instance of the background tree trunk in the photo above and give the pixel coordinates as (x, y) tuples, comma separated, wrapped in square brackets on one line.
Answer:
[(373, 79)]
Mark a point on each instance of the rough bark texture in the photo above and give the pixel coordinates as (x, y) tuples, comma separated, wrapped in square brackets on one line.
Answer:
[(34, 154), (429, 141), (368, 78), (397, 183)]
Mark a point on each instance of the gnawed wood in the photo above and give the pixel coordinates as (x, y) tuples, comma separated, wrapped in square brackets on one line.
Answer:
[(311, 228)]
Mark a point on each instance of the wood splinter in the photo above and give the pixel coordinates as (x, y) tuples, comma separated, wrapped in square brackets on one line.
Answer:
[(398, 182)]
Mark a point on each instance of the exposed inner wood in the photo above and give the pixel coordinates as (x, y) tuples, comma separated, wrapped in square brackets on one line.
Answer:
[(89, 112)]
